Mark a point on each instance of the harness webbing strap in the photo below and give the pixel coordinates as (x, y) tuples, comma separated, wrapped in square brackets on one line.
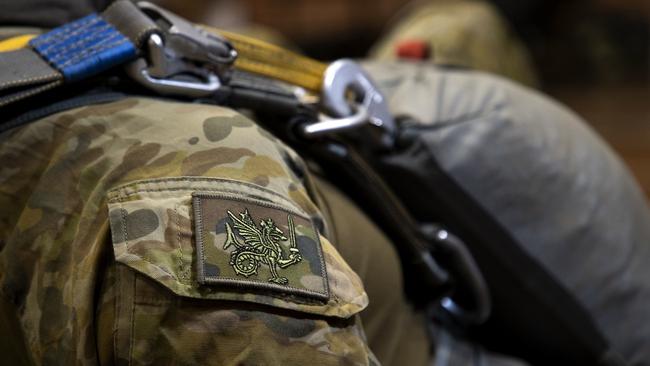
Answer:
[(95, 43), (74, 51), (25, 73), (15, 43), (274, 62), (84, 47)]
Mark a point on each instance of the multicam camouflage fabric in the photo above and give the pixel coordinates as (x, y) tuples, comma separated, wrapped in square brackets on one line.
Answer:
[(152, 230), (77, 305), (465, 33)]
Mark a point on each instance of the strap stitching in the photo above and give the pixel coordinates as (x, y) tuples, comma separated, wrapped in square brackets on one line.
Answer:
[(58, 53), (58, 36), (92, 53), (29, 93), (29, 80), (63, 52)]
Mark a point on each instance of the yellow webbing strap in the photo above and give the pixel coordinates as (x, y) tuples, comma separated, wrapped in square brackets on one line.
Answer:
[(254, 56), (274, 62), (15, 43)]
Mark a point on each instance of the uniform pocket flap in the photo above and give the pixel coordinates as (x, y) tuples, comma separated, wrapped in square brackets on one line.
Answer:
[(230, 240)]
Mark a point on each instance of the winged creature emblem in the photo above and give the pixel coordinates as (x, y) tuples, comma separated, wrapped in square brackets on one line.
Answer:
[(261, 246)]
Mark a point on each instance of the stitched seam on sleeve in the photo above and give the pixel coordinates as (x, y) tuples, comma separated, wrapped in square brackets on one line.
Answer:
[(132, 335), (180, 247), (117, 195), (116, 328)]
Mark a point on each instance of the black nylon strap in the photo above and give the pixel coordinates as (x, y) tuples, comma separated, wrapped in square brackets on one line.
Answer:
[(258, 93), (24, 73)]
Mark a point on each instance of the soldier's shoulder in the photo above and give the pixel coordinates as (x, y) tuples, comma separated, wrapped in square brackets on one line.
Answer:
[(157, 184)]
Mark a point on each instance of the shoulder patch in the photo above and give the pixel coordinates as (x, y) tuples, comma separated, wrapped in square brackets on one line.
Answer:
[(248, 243)]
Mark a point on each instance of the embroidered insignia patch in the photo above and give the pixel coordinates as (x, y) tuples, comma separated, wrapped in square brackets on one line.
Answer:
[(257, 244)]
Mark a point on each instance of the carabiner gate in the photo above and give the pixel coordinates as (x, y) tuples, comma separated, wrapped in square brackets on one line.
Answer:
[(183, 59)]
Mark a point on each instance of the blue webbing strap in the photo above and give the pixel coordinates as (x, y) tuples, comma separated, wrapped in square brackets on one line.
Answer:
[(74, 51), (84, 47)]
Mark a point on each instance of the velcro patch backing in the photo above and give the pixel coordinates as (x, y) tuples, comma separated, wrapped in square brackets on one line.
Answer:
[(255, 245)]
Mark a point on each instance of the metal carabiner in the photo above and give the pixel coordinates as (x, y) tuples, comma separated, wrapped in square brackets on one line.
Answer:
[(343, 76), (140, 71), (465, 273), (368, 106), (331, 125), (185, 41), (182, 59)]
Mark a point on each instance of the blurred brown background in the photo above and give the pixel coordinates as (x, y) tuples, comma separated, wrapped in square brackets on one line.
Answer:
[(592, 55)]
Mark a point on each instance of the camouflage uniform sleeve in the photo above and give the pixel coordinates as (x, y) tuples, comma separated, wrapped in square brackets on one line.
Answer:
[(171, 233)]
